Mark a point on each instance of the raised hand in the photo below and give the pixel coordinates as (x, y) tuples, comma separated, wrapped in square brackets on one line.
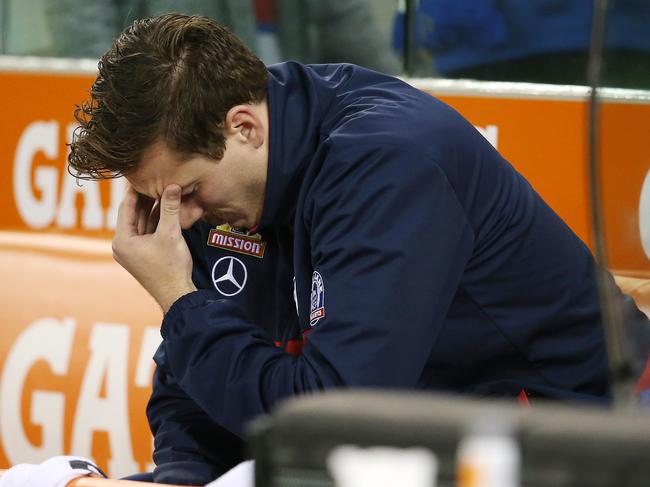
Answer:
[(148, 243)]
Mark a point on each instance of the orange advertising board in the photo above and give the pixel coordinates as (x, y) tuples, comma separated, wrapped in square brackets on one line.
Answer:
[(78, 332), (38, 194), (625, 186)]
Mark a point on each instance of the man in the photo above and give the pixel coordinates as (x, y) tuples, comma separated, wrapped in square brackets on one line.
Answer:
[(386, 243)]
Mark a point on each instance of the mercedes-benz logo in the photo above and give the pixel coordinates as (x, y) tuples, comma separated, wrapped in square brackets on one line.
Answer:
[(229, 275)]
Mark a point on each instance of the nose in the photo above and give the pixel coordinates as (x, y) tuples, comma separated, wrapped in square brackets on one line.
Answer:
[(190, 213)]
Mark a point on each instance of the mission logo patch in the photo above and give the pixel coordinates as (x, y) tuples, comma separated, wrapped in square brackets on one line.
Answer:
[(228, 238)]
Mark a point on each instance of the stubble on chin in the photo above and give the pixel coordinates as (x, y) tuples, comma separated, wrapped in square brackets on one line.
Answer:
[(213, 220)]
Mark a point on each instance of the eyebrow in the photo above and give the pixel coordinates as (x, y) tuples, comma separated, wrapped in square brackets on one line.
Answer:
[(188, 189)]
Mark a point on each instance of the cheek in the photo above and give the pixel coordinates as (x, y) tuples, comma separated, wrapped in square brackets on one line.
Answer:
[(211, 200)]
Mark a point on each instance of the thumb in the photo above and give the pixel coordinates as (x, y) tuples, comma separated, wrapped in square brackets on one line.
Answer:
[(170, 209)]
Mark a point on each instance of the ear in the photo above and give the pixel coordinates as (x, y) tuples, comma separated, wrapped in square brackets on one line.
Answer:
[(243, 122)]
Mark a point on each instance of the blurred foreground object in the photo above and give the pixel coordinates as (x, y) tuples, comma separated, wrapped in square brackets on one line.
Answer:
[(382, 466), (561, 446), (626, 332), (488, 456)]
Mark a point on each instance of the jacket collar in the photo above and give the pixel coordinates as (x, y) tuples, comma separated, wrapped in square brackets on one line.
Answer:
[(295, 116)]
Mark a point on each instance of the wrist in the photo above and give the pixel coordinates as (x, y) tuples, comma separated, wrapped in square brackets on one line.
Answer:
[(173, 294)]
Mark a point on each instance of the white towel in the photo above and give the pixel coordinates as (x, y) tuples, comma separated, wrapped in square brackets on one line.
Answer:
[(54, 472)]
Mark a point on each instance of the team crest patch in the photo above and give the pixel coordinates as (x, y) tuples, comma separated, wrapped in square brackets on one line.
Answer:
[(228, 238), (317, 310)]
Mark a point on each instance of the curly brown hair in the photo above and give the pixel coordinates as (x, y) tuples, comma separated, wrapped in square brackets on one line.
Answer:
[(170, 78)]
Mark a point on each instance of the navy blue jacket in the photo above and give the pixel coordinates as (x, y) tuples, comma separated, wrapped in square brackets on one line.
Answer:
[(421, 258)]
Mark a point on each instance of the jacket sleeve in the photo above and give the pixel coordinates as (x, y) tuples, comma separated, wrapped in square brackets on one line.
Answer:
[(189, 448), (390, 240)]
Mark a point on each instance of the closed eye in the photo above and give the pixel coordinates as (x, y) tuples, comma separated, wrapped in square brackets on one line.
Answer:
[(189, 193)]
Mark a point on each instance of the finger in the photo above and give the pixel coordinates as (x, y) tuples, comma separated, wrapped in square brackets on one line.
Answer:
[(170, 208), (144, 210), (154, 217), (126, 224), (141, 220)]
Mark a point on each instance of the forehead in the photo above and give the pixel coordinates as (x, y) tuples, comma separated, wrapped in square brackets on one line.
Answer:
[(158, 167), (158, 156)]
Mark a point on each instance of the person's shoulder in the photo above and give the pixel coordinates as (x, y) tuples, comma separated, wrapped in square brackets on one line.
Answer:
[(412, 122), (323, 73), (360, 159)]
